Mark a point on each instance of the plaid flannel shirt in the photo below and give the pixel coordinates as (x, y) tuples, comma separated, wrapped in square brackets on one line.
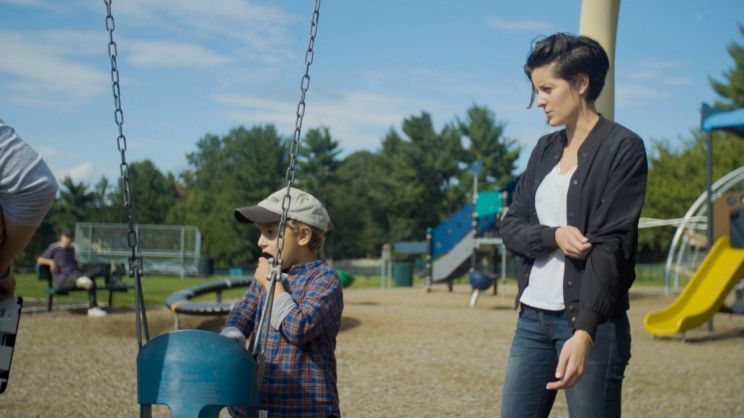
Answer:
[(300, 376)]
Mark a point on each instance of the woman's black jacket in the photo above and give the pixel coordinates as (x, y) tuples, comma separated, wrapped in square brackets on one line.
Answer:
[(604, 202)]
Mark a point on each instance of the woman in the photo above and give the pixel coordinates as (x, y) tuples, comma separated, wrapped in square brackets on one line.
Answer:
[(574, 222)]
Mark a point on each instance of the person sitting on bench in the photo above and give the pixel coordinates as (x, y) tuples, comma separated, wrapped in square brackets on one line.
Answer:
[(68, 273)]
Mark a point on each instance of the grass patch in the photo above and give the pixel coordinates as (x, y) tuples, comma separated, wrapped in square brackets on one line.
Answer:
[(154, 288), (157, 288)]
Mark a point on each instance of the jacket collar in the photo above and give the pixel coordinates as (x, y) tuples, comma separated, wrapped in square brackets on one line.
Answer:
[(591, 144), (586, 152)]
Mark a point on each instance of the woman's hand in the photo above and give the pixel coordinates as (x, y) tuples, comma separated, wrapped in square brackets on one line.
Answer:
[(572, 361), (572, 242)]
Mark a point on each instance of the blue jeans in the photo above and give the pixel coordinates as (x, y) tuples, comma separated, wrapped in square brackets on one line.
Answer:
[(534, 357)]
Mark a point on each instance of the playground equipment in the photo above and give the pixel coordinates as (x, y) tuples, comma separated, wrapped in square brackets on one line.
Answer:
[(191, 371), (456, 244), (168, 249), (723, 266), (345, 278), (10, 315), (180, 302), (704, 294), (691, 234)]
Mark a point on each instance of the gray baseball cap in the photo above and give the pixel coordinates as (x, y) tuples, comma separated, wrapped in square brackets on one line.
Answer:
[(303, 207)]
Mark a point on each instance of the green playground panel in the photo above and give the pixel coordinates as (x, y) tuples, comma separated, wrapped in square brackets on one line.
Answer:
[(488, 203)]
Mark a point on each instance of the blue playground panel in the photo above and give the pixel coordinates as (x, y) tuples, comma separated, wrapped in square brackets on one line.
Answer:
[(446, 235)]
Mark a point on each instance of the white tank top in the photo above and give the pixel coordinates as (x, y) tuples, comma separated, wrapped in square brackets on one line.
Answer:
[(545, 287)]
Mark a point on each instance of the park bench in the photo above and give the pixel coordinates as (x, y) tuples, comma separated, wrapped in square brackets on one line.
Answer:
[(112, 283)]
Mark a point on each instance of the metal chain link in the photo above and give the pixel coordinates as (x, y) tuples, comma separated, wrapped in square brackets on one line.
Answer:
[(135, 261), (294, 149)]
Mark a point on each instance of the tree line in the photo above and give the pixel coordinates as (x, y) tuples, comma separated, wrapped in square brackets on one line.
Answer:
[(417, 178)]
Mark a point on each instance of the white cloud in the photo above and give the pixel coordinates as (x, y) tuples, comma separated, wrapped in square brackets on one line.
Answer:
[(73, 42), (678, 81), (262, 28), (173, 54), (42, 76), (635, 93), (23, 2), (516, 25), (50, 153), (643, 74), (84, 172), (648, 70), (359, 120)]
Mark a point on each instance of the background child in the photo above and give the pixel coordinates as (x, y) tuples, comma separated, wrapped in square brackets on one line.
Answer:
[(300, 376)]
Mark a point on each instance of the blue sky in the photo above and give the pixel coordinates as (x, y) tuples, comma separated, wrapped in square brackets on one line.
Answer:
[(192, 67)]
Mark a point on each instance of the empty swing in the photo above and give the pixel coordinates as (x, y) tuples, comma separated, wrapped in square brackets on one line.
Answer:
[(197, 373)]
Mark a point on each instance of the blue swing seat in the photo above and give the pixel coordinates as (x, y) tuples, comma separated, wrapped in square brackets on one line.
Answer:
[(480, 280), (195, 373)]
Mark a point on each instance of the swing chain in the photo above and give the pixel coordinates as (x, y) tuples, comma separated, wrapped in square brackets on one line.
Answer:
[(294, 148), (259, 346), (135, 262)]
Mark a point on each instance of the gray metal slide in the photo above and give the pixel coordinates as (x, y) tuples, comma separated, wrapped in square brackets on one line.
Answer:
[(455, 262)]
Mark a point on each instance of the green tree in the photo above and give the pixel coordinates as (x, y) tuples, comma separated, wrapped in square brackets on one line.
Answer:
[(731, 89), (358, 207), (74, 204), (487, 143), (316, 172), (317, 163), (236, 170), (152, 194), (421, 170)]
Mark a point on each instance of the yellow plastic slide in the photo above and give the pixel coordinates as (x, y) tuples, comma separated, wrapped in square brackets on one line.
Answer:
[(704, 294)]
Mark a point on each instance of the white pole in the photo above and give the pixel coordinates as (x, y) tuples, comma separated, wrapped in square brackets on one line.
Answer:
[(382, 269), (599, 22)]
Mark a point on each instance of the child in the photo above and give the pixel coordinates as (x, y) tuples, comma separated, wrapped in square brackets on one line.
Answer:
[(300, 376)]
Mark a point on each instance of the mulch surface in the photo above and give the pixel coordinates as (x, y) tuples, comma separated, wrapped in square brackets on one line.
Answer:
[(401, 353)]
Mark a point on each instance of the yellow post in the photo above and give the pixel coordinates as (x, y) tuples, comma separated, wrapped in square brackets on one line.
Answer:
[(599, 22)]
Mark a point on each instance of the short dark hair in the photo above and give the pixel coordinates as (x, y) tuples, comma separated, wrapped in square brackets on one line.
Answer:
[(572, 55)]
